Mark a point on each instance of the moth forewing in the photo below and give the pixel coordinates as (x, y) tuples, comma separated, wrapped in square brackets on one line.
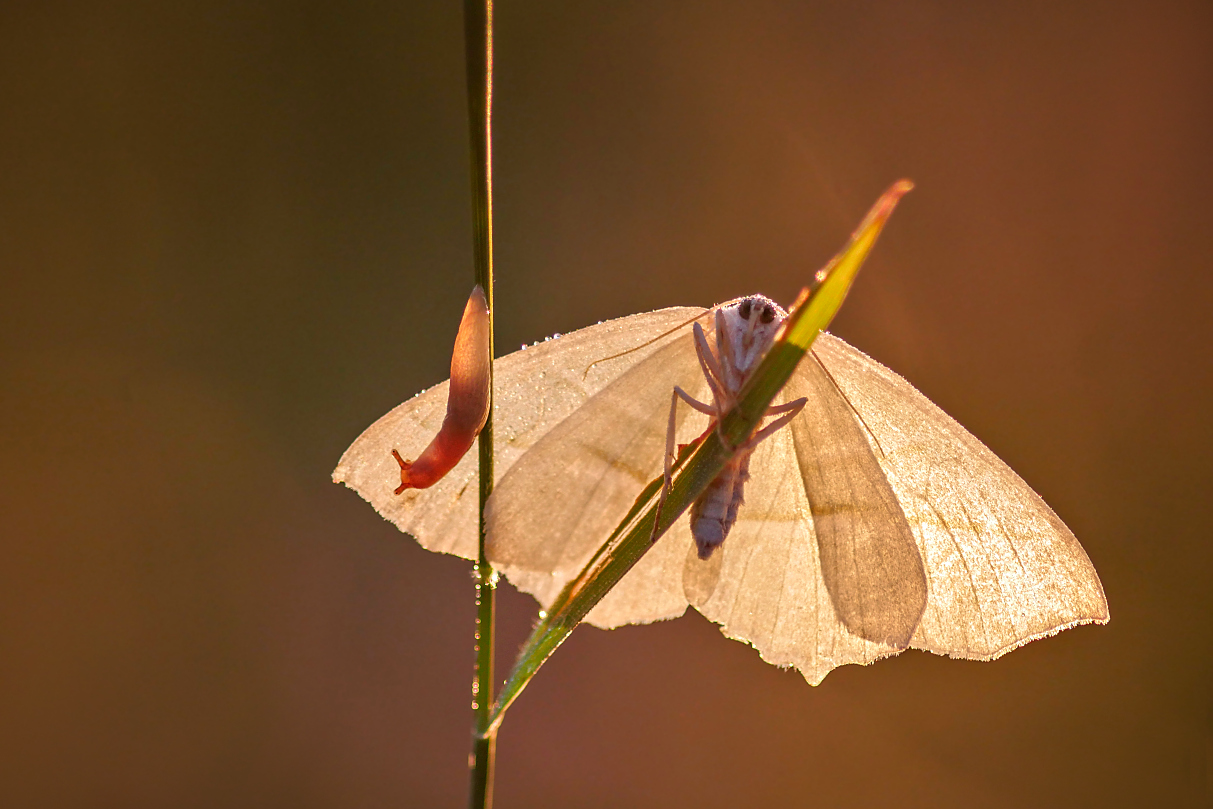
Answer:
[(550, 513), (535, 389)]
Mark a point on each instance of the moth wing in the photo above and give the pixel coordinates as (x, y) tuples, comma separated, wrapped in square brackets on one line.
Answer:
[(534, 390), (561, 500), (1001, 568)]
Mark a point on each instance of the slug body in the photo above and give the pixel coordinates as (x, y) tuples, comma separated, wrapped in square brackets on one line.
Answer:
[(467, 406)]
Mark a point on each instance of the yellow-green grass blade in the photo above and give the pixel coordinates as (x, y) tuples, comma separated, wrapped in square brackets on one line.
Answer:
[(702, 462)]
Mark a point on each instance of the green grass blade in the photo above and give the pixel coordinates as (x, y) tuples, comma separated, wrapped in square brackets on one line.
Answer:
[(812, 312)]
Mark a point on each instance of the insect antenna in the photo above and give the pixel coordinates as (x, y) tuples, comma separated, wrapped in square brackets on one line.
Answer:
[(652, 340)]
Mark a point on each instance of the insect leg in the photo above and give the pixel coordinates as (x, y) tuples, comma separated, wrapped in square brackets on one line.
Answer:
[(723, 344), (786, 413), (713, 372), (706, 409), (711, 369), (668, 478), (794, 406)]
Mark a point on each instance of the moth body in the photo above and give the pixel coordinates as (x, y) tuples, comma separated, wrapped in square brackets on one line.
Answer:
[(713, 514), (744, 331)]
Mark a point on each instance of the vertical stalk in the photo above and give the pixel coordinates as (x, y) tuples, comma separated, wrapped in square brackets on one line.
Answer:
[(478, 45)]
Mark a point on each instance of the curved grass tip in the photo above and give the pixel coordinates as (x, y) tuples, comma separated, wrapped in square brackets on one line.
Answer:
[(817, 303), (467, 404)]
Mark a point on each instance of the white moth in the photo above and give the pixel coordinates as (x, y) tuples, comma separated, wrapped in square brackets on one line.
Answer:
[(744, 332), (859, 522)]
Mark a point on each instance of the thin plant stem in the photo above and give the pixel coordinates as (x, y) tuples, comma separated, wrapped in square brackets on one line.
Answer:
[(478, 44)]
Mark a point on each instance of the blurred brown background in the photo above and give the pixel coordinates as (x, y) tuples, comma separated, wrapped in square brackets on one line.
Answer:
[(233, 235)]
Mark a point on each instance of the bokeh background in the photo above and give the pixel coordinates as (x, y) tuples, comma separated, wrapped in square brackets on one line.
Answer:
[(232, 235)]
